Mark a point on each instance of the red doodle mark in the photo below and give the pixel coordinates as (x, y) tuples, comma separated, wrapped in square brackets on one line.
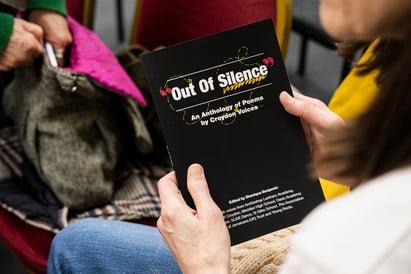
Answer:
[(269, 61), (164, 92)]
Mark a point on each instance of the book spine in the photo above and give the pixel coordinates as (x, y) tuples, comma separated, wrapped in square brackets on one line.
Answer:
[(151, 82)]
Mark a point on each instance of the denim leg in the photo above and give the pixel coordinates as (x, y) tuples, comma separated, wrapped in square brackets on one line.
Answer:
[(103, 246)]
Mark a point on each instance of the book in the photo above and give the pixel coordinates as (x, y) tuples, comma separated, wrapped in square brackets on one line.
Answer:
[(217, 98)]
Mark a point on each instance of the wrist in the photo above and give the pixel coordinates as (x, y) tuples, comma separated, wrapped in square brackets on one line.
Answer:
[(209, 269)]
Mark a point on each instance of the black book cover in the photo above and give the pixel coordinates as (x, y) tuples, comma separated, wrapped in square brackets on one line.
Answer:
[(217, 100)]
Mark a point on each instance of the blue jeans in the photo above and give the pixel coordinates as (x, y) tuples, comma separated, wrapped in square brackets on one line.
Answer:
[(102, 246)]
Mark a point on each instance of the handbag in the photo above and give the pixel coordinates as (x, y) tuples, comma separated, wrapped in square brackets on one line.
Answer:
[(79, 125), (129, 58)]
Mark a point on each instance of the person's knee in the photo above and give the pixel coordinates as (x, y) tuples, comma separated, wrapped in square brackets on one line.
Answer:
[(71, 237), (67, 248), (73, 230)]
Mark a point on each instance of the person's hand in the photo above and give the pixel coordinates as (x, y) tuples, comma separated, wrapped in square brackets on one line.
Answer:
[(316, 118), (56, 30), (198, 239), (24, 45)]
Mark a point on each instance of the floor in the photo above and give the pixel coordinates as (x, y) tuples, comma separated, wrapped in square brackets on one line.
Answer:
[(322, 77)]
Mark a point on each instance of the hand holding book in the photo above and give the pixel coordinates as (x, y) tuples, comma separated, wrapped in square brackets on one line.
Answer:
[(199, 234), (316, 118)]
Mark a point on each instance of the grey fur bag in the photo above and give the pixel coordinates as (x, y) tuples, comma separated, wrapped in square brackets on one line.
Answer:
[(76, 131)]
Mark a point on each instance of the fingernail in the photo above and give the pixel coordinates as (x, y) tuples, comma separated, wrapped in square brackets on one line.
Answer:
[(195, 170)]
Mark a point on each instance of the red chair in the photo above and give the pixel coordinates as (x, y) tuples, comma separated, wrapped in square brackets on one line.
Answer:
[(165, 22), (82, 11), (31, 245)]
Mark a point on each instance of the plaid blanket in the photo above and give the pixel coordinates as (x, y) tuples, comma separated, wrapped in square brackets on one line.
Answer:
[(136, 195)]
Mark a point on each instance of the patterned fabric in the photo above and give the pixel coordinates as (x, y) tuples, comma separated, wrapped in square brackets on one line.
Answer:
[(10, 153), (262, 255), (135, 198), (136, 195)]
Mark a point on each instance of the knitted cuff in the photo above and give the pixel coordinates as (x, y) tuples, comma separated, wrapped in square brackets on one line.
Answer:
[(7, 24), (55, 5)]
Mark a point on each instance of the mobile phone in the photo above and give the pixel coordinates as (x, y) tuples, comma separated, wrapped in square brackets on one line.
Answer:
[(50, 54)]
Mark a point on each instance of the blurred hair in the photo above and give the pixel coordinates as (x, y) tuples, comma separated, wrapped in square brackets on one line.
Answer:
[(380, 139)]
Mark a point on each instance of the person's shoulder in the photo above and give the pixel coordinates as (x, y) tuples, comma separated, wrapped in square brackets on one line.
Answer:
[(361, 230)]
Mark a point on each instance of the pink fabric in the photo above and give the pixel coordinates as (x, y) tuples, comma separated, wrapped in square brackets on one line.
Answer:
[(89, 55)]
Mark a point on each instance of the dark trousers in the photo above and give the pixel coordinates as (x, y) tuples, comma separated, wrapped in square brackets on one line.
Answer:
[(5, 79)]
